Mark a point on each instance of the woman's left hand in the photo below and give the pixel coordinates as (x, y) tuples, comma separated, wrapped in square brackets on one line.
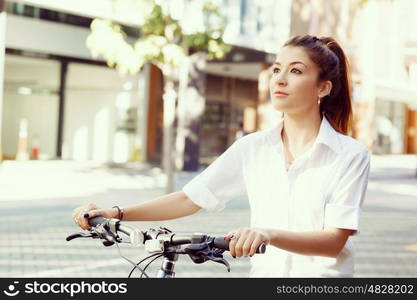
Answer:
[(245, 241)]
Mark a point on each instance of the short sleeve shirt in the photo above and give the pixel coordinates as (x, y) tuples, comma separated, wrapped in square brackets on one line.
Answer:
[(323, 188)]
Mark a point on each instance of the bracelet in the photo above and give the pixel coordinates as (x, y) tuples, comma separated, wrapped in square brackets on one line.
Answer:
[(120, 212)]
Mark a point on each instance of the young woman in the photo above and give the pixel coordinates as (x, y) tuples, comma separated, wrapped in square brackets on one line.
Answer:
[(305, 178)]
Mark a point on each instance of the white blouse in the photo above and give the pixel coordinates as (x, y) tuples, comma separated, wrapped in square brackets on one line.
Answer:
[(324, 187)]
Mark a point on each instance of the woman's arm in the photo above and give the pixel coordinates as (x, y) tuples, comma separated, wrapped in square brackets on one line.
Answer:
[(170, 206), (166, 207), (328, 242)]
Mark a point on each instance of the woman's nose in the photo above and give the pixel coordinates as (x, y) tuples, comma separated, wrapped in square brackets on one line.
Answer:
[(280, 80)]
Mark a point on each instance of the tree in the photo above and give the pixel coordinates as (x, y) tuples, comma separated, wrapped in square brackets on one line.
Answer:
[(174, 45)]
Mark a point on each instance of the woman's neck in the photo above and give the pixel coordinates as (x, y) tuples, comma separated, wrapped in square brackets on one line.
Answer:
[(300, 130)]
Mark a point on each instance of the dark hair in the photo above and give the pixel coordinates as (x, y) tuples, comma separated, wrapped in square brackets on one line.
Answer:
[(327, 54)]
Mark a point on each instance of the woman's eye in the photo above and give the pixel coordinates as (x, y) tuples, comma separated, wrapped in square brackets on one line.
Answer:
[(275, 70)]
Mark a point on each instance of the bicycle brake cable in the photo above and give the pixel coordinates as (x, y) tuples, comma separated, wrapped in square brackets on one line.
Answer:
[(144, 269), (137, 264), (130, 261)]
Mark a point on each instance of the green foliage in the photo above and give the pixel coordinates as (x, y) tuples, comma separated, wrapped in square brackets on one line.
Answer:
[(162, 39), (362, 2)]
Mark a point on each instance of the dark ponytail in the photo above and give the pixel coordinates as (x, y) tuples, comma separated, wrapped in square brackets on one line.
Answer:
[(331, 59)]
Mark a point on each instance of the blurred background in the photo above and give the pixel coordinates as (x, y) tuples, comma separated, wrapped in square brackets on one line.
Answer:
[(118, 101)]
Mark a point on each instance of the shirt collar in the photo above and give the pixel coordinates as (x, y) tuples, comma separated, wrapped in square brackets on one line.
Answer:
[(327, 135)]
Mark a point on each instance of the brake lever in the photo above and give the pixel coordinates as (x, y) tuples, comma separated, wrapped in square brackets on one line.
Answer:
[(102, 232), (221, 260), (202, 252), (78, 235)]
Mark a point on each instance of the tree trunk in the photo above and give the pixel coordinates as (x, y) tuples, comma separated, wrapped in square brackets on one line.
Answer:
[(168, 151), (191, 103)]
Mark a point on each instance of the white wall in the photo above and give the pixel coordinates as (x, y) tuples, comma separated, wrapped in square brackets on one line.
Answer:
[(46, 37), (105, 9), (93, 94), (41, 113), (94, 100), (40, 107), (2, 51)]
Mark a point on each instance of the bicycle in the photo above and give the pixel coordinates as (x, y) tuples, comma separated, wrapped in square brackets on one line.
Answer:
[(160, 242)]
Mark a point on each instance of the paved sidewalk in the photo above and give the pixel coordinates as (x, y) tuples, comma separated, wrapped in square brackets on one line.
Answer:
[(37, 198)]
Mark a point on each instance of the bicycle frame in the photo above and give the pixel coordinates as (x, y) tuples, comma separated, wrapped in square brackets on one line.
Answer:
[(167, 266)]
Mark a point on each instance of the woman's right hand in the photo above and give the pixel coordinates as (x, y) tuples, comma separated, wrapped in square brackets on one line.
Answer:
[(93, 210)]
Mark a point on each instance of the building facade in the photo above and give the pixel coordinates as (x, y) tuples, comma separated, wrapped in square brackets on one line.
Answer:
[(76, 107)]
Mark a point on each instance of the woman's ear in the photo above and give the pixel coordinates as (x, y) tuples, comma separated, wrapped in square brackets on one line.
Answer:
[(325, 88)]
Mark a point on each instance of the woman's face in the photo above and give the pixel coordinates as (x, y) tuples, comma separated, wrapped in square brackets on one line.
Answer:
[(295, 75)]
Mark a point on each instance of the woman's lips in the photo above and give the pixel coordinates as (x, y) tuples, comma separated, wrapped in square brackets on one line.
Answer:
[(280, 94)]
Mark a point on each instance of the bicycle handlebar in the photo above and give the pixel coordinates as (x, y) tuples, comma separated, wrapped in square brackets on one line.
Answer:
[(221, 243), (160, 242), (138, 237)]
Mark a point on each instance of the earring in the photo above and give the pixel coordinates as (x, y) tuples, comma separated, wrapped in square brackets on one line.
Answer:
[(319, 101)]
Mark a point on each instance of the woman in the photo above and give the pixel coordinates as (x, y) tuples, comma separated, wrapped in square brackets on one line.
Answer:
[(305, 178)]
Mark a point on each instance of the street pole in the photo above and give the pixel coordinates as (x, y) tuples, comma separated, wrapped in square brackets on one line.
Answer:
[(2, 54), (61, 108)]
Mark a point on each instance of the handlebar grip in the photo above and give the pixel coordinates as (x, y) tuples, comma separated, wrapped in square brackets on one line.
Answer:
[(221, 243), (96, 221)]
